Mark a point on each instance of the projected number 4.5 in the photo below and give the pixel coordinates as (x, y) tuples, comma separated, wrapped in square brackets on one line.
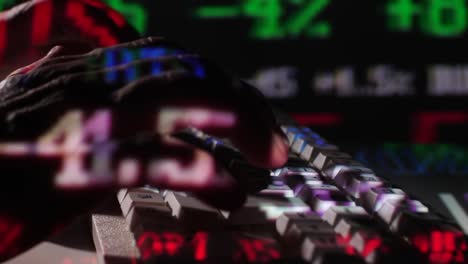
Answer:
[(275, 19), (436, 18)]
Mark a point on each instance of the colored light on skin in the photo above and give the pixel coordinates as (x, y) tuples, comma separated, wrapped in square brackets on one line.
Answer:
[(131, 72), (147, 53), (198, 68), (110, 61), (130, 55)]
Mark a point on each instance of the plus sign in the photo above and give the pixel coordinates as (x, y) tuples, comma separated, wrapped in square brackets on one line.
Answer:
[(401, 14)]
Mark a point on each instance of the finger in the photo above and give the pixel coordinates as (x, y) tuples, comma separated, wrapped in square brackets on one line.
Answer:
[(259, 126), (256, 124), (95, 83), (149, 42), (52, 53)]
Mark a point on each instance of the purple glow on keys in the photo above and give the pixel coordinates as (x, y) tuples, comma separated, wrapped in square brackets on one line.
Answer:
[(321, 197)]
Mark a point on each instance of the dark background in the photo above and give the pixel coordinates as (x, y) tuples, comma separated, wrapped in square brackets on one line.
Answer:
[(360, 39)]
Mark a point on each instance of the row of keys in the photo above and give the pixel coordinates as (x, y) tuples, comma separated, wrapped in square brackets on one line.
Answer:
[(403, 215), (326, 208)]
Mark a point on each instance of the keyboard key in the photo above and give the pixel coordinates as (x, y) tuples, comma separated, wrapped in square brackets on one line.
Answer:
[(321, 197), (294, 176), (136, 197), (407, 223), (313, 249), (376, 197), (121, 194), (191, 211), (391, 208), (308, 144), (326, 250), (292, 137), (355, 182), (286, 220), (150, 217), (335, 213), (296, 234), (369, 244), (350, 225), (277, 191), (295, 181), (113, 241), (326, 156), (288, 171), (332, 172), (264, 210)]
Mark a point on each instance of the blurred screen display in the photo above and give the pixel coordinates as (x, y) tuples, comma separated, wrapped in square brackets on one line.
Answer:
[(386, 70)]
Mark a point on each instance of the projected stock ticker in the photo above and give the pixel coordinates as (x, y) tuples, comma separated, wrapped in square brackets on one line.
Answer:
[(275, 19)]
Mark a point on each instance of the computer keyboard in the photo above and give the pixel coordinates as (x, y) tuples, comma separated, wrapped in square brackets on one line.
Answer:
[(321, 207)]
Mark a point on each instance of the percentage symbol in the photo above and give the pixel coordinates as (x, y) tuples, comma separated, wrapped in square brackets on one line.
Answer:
[(302, 20)]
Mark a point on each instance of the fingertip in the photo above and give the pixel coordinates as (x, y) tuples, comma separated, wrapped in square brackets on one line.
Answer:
[(272, 154), (279, 151)]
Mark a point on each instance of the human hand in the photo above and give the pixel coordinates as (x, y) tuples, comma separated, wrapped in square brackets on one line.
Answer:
[(80, 105)]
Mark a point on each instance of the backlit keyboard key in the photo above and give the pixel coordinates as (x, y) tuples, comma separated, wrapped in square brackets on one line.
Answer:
[(192, 211), (287, 171), (277, 191), (321, 197), (324, 250), (298, 232), (408, 223), (286, 220), (136, 197), (391, 208), (150, 217), (350, 225), (356, 182), (295, 181), (335, 213), (376, 197), (324, 157), (303, 145), (264, 210), (333, 172), (310, 151)]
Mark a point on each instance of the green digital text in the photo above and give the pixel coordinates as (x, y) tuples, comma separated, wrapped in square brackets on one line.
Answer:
[(275, 19)]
